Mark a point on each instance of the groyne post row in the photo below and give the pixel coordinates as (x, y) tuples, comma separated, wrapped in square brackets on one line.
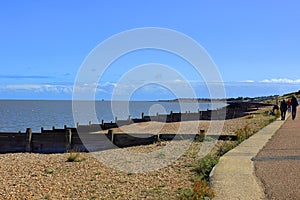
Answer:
[(233, 110), (64, 140), (230, 112)]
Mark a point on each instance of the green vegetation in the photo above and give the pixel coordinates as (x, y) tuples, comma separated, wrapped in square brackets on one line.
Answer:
[(289, 95), (199, 191), (204, 166), (49, 171), (225, 147), (243, 133), (75, 157), (272, 99), (47, 197), (162, 154), (97, 173)]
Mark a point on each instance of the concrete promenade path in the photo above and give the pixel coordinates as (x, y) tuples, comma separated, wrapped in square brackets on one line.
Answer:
[(277, 165), (234, 176)]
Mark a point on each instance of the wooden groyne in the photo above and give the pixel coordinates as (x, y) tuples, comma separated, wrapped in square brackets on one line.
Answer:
[(91, 137), (233, 110), (64, 140)]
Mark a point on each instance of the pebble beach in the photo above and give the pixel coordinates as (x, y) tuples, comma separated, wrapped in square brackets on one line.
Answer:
[(51, 176)]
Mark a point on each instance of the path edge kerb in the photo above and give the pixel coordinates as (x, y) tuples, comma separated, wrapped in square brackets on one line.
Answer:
[(234, 176)]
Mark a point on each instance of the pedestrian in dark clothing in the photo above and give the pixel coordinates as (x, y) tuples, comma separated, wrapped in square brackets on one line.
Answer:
[(294, 103), (283, 109)]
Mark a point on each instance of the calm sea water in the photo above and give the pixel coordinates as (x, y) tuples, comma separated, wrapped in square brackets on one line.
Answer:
[(17, 115)]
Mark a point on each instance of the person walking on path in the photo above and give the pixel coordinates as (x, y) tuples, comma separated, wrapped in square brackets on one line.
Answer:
[(289, 105), (283, 109), (294, 103)]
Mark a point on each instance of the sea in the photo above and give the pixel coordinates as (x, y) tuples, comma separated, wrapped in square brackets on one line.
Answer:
[(17, 115)]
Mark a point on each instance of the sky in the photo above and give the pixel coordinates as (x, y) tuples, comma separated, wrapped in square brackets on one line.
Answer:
[(255, 46)]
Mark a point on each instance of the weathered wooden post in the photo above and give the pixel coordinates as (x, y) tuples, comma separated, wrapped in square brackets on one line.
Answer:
[(53, 128), (171, 116), (68, 139), (102, 122), (143, 115), (65, 127), (28, 140), (201, 134), (77, 125), (42, 129), (90, 123), (116, 120)]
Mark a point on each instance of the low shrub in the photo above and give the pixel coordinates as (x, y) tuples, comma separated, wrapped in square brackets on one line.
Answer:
[(243, 133), (225, 147), (48, 171), (200, 191), (75, 157), (205, 165)]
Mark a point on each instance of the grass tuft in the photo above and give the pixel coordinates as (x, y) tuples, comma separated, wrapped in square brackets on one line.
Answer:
[(200, 191), (204, 166), (49, 171), (75, 157)]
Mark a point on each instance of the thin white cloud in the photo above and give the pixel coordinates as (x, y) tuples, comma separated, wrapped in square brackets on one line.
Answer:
[(281, 80), (248, 81), (37, 88), (106, 87), (87, 88), (107, 84), (20, 87)]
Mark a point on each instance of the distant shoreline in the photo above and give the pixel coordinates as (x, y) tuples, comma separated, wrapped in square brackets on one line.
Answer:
[(262, 98), (238, 99)]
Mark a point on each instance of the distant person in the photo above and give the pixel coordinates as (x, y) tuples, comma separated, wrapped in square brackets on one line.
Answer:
[(275, 108), (283, 109), (294, 103), (289, 105)]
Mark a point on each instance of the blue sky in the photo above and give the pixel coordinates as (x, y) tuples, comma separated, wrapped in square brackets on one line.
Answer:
[(255, 44)]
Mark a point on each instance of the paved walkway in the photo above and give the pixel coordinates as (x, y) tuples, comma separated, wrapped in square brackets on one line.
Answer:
[(277, 165), (234, 177)]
